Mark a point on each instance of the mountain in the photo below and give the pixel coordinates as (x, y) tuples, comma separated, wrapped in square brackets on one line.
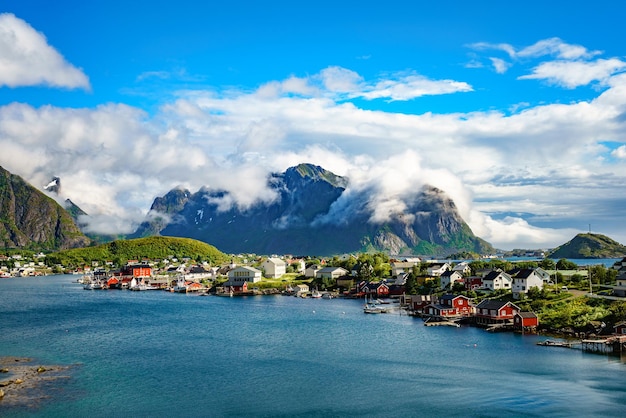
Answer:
[(589, 246), (30, 219), (313, 214)]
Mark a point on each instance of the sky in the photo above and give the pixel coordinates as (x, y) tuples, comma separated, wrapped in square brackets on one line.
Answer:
[(515, 109)]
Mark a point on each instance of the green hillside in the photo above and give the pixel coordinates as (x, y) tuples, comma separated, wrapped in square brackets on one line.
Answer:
[(153, 248), (589, 246)]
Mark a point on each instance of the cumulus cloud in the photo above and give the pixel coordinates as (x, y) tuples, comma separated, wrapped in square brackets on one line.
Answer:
[(571, 74), (114, 159), (26, 59)]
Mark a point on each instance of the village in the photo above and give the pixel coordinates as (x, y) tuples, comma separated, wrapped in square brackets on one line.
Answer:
[(451, 293)]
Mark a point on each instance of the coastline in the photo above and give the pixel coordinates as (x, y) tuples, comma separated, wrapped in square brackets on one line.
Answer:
[(27, 384)]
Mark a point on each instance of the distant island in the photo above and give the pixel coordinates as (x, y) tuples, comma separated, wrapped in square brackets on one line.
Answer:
[(590, 246)]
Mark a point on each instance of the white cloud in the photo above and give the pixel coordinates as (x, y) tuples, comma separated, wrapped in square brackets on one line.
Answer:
[(552, 46), (26, 59), (500, 65), (556, 47), (542, 161), (413, 86), (619, 152), (577, 73)]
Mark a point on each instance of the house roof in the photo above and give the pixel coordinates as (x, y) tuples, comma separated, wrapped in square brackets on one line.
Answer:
[(494, 274), (494, 304), (450, 296), (275, 260), (522, 273), (527, 314), (247, 268), (332, 269), (375, 285)]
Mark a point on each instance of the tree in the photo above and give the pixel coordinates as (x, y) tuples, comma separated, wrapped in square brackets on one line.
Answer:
[(547, 264), (411, 286), (458, 287), (365, 271), (565, 264)]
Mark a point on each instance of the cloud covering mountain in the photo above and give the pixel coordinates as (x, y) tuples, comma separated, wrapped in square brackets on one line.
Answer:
[(527, 173)]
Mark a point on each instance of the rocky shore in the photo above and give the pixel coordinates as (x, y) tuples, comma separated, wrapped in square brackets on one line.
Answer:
[(25, 384)]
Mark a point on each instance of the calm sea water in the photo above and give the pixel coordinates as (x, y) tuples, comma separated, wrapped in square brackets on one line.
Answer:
[(147, 354)]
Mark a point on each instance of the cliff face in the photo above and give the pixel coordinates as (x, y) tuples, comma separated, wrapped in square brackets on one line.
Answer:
[(30, 219), (313, 216)]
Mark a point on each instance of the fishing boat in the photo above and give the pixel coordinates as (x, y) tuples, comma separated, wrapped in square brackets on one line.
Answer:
[(181, 286)]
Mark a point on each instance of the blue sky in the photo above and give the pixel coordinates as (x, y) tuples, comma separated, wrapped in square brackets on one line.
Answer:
[(515, 110)]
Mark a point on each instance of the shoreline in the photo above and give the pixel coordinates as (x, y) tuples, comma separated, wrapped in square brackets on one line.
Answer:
[(27, 384)]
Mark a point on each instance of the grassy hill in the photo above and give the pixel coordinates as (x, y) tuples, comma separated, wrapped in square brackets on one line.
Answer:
[(153, 248), (589, 246)]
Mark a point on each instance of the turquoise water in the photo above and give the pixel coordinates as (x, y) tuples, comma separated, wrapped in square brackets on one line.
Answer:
[(146, 354)]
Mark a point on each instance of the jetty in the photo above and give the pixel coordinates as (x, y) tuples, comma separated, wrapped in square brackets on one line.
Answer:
[(614, 344), (433, 321), (554, 343)]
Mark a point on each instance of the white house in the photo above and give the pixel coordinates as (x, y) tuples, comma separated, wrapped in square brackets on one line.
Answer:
[(299, 289), (497, 279), (437, 269), (332, 272), (242, 274), (463, 268), (620, 286), (398, 267), (525, 279), (449, 277), (274, 267), (311, 271)]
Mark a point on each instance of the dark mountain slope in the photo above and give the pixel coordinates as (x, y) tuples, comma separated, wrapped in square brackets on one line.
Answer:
[(30, 219)]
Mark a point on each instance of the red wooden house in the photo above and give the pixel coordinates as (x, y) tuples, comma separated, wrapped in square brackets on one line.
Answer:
[(472, 283), (525, 320), (620, 328), (460, 303), (419, 302), (490, 312), (235, 287), (377, 289), (449, 306), (137, 270)]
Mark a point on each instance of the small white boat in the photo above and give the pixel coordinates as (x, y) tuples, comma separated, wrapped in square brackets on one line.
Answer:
[(141, 287)]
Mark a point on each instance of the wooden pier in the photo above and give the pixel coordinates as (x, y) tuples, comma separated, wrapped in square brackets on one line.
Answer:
[(609, 345)]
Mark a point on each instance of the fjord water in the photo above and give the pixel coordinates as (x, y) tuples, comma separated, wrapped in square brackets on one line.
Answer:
[(154, 353)]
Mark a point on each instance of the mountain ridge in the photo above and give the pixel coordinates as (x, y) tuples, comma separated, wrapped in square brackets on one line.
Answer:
[(313, 215)]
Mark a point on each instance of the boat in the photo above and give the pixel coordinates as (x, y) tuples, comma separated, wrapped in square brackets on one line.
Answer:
[(372, 308), (141, 287), (316, 294), (181, 286), (94, 285)]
